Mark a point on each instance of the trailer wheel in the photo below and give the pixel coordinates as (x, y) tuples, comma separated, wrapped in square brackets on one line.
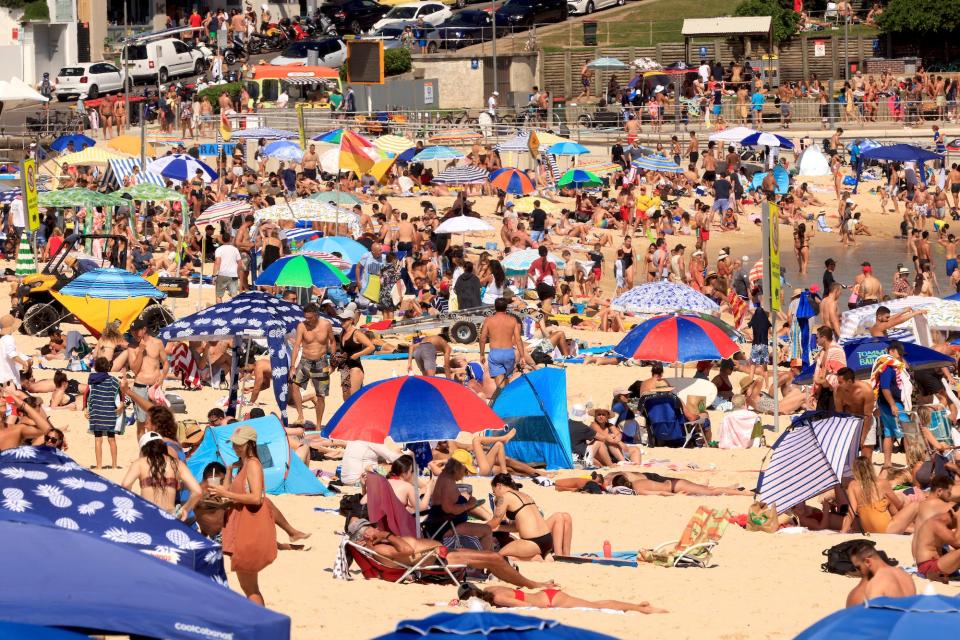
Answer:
[(463, 332)]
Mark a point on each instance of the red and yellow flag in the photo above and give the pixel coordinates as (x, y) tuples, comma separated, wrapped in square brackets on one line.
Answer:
[(357, 154)]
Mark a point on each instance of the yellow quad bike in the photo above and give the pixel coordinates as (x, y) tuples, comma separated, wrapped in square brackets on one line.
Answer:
[(40, 310)]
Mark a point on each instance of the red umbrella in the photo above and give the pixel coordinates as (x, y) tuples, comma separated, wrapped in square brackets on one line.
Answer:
[(678, 338)]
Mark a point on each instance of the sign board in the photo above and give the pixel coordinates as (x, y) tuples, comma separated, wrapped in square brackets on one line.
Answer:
[(819, 48), (30, 206), (15, 35), (211, 149), (365, 61), (703, 53), (533, 144), (771, 255), (427, 93)]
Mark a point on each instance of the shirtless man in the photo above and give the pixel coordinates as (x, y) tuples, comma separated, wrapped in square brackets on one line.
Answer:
[(929, 540), (885, 321), (244, 243), (830, 308), (943, 496), (871, 289), (878, 579), (632, 128), (953, 184), (147, 360), (262, 377), (709, 165), (502, 332), (315, 337), (425, 353), (856, 397), (310, 162), (407, 238)]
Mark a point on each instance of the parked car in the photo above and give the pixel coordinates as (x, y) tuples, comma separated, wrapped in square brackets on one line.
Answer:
[(163, 59), (91, 78), (581, 7), (390, 34), (353, 16), (526, 13), (331, 52), (459, 4), (468, 27), (433, 13)]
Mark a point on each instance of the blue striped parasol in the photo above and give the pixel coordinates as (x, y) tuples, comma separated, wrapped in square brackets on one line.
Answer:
[(464, 174), (567, 149), (266, 133), (111, 284), (437, 153), (657, 162)]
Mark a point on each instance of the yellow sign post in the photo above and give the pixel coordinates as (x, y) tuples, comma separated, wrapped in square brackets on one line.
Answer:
[(773, 252), (30, 206)]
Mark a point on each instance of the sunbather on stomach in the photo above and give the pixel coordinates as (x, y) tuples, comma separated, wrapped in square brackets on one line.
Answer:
[(645, 484), (516, 511), (546, 599)]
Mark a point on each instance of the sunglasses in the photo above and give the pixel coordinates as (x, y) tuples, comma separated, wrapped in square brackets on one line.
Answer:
[(54, 440)]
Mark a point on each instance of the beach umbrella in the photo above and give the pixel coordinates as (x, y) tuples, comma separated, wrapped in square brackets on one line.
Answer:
[(311, 211), (338, 261), (567, 149), (525, 205), (26, 261), (863, 351), (356, 153), (92, 155), (15, 631), (517, 263), (765, 139), (657, 162), (223, 211), (80, 142), (664, 297), (513, 181), (182, 167), (942, 315), (8, 196), (733, 134), (463, 224), (285, 150), (579, 179), (599, 167), (437, 153), (130, 144), (301, 235), (110, 284), (346, 247), (676, 338), (333, 136), (607, 64), (518, 144), (266, 133), (922, 616), (339, 198), (103, 588), (79, 197), (301, 271), (393, 144), (455, 135), (462, 174), (476, 625), (149, 192)]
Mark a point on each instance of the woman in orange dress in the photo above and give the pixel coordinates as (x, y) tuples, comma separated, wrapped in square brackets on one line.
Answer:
[(249, 537)]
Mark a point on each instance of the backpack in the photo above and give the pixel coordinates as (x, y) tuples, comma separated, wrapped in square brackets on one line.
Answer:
[(838, 557)]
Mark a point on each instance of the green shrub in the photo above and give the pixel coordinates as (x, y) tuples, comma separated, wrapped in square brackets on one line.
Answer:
[(785, 21), (233, 88), (396, 61)]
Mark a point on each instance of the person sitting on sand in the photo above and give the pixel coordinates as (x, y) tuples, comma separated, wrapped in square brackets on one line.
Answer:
[(538, 536), (880, 509), (792, 397), (936, 546), (546, 599), (877, 578), (649, 484)]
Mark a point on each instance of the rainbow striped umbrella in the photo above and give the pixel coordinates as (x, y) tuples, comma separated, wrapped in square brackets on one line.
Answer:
[(223, 211), (512, 181), (330, 137)]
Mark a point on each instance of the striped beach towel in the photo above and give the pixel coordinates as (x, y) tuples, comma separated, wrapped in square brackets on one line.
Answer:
[(184, 365)]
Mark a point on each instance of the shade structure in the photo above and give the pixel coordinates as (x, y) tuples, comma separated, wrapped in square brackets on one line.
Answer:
[(79, 197), (921, 616), (149, 192), (80, 142), (510, 180), (664, 297), (408, 154), (518, 144), (862, 352), (488, 626), (8, 196), (26, 261), (898, 153), (42, 484), (16, 93), (600, 167), (310, 211), (119, 170), (182, 167), (330, 137), (765, 139), (463, 224), (455, 135), (517, 263), (733, 134), (411, 409), (15, 631), (346, 247), (579, 178), (91, 155), (678, 338), (393, 144), (111, 284), (104, 588), (223, 211), (265, 132), (942, 315), (339, 198), (567, 149), (285, 150), (130, 144), (812, 456), (535, 404), (437, 153), (339, 262), (300, 235), (462, 174), (657, 162), (608, 64), (301, 271)]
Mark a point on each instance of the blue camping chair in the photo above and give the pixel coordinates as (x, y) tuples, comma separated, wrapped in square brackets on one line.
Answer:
[(667, 426)]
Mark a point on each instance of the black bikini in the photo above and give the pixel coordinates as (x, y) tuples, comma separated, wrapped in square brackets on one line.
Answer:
[(544, 542)]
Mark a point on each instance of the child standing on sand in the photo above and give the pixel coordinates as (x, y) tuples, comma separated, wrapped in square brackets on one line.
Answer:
[(104, 409)]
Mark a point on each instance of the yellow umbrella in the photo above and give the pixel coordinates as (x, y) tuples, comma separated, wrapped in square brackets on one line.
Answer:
[(92, 155), (547, 139), (131, 145), (393, 144), (525, 205)]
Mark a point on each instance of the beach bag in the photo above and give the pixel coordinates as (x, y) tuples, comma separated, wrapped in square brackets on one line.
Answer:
[(838, 557), (189, 432), (762, 517), (372, 290)]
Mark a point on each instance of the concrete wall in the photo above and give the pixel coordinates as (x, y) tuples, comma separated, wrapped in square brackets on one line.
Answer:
[(463, 86)]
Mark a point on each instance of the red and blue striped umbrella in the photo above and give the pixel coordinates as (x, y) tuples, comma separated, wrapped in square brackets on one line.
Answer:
[(411, 409), (677, 338), (512, 180)]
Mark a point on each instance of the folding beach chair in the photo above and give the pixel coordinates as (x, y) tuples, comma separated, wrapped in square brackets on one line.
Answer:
[(666, 423), (695, 546), (430, 569)]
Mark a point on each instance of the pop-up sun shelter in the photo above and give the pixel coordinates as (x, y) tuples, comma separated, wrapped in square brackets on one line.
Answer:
[(283, 471), (898, 153), (536, 405)]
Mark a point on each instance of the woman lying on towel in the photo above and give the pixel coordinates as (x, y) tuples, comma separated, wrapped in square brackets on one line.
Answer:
[(649, 484), (546, 599)]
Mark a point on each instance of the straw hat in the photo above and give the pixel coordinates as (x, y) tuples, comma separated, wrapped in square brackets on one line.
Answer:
[(243, 435), (9, 324), (463, 457)]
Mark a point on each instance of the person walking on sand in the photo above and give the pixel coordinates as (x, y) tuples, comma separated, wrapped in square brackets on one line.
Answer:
[(313, 344), (148, 362), (501, 332)]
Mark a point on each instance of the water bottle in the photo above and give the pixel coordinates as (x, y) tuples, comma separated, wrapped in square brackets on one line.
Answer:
[(607, 552)]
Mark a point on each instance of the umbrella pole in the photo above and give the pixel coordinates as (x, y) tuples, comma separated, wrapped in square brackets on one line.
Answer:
[(416, 498), (203, 254)]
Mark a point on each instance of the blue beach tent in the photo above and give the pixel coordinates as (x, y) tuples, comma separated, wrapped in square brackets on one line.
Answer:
[(898, 153), (781, 175), (283, 471), (536, 405)]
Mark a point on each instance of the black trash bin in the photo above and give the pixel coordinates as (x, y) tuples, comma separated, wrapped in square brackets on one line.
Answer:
[(589, 33)]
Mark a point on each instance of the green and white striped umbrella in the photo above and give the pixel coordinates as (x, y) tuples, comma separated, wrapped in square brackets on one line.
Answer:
[(26, 264), (149, 192), (79, 197)]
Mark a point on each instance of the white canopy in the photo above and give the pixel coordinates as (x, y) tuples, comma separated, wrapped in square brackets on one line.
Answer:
[(16, 93), (812, 162), (463, 224)]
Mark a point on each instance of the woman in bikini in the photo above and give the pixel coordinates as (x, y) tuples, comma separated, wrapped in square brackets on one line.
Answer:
[(538, 536), (546, 599), (801, 246), (880, 509), (112, 346), (160, 476), (649, 484)]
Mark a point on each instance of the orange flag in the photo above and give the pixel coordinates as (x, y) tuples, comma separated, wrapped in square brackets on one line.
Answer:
[(356, 153)]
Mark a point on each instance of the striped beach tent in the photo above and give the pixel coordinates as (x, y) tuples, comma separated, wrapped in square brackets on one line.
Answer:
[(518, 143), (119, 169), (812, 456), (462, 174), (26, 263), (550, 167)]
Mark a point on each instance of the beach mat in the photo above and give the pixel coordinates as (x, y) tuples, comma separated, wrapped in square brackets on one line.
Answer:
[(619, 559)]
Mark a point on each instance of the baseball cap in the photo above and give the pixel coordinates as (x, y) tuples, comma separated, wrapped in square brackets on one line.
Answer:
[(148, 437), (903, 269), (865, 264), (850, 201), (463, 457), (327, 301), (138, 324)]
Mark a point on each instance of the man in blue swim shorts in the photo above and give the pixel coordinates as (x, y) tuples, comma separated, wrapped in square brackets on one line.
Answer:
[(501, 332), (889, 400)]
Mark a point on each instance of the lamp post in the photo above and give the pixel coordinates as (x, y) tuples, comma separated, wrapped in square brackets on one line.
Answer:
[(846, 47), (493, 44)]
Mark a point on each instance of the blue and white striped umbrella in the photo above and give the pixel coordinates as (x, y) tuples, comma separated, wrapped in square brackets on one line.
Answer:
[(266, 133), (462, 174), (664, 297), (567, 149), (437, 153), (813, 455), (111, 284), (300, 235), (517, 144), (764, 139), (180, 166), (518, 262), (285, 150), (657, 162)]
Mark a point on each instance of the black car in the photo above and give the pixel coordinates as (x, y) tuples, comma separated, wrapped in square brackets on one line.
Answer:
[(526, 13), (353, 16), (468, 27)]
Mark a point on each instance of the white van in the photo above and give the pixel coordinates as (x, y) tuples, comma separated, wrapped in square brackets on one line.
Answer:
[(159, 60)]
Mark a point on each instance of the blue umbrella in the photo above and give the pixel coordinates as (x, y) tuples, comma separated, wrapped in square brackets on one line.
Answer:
[(764, 139), (111, 284), (182, 167), (863, 352), (608, 64), (954, 298), (80, 142), (407, 156), (266, 133), (346, 247), (104, 588), (492, 626), (284, 150), (437, 153), (889, 619), (657, 162), (664, 297), (567, 149)]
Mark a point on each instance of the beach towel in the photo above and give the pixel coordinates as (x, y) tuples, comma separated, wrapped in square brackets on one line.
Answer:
[(183, 364), (385, 509), (736, 429), (704, 530), (903, 379)]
